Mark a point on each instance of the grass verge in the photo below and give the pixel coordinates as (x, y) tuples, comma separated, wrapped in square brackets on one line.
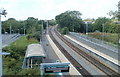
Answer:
[(12, 64), (108, 37)]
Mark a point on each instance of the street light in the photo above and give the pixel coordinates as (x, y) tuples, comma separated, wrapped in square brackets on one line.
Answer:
[(47, 27), (118, 22), (24, 29), (2, 12), (10, 28), (41, 32), (86, 28), (103, 33), (88, 22)]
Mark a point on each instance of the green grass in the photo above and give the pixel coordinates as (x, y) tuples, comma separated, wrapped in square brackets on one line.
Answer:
[(12, 64), (108, 37), (23, 41)]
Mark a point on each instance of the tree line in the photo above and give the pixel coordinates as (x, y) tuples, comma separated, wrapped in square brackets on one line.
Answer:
[(30, 25), (71, 21)]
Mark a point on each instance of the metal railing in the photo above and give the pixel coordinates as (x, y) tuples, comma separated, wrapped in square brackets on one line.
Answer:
[(104, 44)]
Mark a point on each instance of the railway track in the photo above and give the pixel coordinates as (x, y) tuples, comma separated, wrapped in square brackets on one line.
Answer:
[(108, 71), (83, 71)]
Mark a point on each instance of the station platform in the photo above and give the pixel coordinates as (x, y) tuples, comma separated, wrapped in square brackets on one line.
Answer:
[(109, 58), (73, 71)]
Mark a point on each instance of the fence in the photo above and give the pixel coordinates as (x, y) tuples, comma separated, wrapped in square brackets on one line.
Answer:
[(95, 41)]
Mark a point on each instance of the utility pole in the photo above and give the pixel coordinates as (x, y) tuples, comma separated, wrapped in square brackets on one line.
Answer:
[(118, 11), (47, 27), (24, 29), (86, 28), (0, 49), (88, 22), (2, 12), (103, 33), (41, 32), (10, 28)]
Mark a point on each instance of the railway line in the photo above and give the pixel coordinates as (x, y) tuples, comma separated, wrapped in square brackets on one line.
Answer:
[(108, 71), (83, 71)]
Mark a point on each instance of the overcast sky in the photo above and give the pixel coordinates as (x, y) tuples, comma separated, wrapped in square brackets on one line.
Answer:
[(48, 9)]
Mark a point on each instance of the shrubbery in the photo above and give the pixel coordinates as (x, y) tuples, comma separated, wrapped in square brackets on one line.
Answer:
[(12, 64), (35, 35), (64, 30), (28, 72)]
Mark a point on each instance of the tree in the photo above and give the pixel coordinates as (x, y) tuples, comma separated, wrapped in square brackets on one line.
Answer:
[(70, 19), (64, 30), (98, 25), (113, 14), (118, 11), (31, 23), (52, 22), (15, 25)]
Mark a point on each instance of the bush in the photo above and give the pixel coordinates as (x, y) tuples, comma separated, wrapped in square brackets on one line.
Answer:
[(12, 64), (27, 72), (64, 30), (35, 35)]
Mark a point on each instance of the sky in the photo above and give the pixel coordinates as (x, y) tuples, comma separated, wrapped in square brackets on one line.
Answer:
[(48, 9)]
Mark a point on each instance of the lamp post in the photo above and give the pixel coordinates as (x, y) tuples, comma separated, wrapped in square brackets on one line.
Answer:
[(10, 28), (42, 31), (24, 29), (86, 28), (2, 12), (103, 33), (88, 22), (47, 27)]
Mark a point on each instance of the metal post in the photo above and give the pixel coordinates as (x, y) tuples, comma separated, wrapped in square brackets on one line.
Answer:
[(86, 30), (31, 62), (47, 27), (28, 62), (0, 47), (41, 70), (24, 29), (10, 28), (41, 32), (103, 33)]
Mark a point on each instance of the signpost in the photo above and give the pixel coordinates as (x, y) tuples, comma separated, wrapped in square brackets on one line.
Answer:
[(54, 67)]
